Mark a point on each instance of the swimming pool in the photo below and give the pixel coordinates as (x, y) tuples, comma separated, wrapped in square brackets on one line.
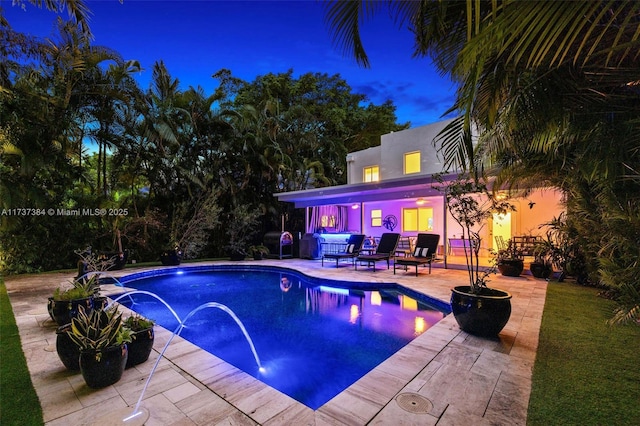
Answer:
[(314, 337)]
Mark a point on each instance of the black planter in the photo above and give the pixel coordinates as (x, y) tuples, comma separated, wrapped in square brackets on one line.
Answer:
[(104, 368), (511, 267), (61, 311), (237, 256), (540, 270), (119, 259), (484, 314), (100, 302), (140, 347), (68, 351), (171, 257)]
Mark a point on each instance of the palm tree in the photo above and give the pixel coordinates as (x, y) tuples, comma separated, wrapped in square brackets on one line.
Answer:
[(552, 88), (77, 9)]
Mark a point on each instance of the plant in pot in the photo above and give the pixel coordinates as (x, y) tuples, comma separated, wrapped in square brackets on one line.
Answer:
[(142, 336), (66, 300), (478, 309), (541, 267), (102, 340), (510, 261), (241, 227), (258, 252)]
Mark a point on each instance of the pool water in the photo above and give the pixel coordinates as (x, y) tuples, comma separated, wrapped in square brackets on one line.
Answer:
[(314, 337)]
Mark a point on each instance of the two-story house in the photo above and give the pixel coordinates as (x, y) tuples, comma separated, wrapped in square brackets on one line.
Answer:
[(390, 189)]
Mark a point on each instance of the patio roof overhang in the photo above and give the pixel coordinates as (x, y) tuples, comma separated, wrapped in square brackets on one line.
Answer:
[(391, 189)]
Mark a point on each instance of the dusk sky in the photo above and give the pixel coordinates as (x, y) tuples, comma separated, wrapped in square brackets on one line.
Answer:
[(195, 39)]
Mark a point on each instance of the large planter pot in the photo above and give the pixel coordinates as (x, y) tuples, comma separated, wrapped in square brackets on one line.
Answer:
[(171, 257), (511, 267), (68, 351), (484, 314), (103, 368), (235, 256), (140, 347), (540, 270), (61, 311)]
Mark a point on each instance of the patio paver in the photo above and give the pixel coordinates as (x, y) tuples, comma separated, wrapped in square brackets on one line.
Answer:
[(466, 379)]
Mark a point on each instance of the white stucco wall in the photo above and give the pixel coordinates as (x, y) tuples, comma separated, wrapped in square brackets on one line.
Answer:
[(389, 156)]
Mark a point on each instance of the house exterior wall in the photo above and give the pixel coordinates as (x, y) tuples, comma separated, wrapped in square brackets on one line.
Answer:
[(357, 161), (395, 145), (389, 156)]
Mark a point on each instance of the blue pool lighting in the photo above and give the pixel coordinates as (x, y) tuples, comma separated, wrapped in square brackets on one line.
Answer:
[(314, 337)]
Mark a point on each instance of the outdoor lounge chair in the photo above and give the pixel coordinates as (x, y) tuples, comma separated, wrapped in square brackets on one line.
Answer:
[(424, 253), (384, 251), (351, 251)]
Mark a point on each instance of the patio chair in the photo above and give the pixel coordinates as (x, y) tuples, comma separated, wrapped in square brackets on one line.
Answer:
[(424, 253), (384, 251), (351, 251)]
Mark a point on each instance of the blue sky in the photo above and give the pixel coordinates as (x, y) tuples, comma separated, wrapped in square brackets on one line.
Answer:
[(197, 38)]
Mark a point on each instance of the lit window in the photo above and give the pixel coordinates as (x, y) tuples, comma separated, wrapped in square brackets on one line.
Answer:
[(376, 217), (412, 162), (417, 219), (371, 174)]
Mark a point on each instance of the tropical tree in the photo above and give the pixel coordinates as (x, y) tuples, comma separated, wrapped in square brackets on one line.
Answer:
[(77, 10), (552, 88)]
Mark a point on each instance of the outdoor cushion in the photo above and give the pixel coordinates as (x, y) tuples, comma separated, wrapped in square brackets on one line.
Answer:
[(421, 251)]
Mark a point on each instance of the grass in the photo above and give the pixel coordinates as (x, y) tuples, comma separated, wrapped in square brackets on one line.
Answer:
[(586, 372), (19, 404)]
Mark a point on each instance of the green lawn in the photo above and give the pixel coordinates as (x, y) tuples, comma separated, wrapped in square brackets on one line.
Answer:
[(586, 372), (19, 404)]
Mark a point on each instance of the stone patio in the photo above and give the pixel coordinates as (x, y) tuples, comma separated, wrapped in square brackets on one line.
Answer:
[(443, 377)]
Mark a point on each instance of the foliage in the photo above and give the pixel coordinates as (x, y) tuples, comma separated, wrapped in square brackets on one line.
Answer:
[(258, 250), (551, 93), (192, 221), (241, 228), (138, 323), (20, 404), (98, 330), (82, 287), (510, 253), (585, 371), (470, 203), (175, 160)]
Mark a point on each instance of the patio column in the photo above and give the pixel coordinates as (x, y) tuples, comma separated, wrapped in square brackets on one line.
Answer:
[(446, 239)]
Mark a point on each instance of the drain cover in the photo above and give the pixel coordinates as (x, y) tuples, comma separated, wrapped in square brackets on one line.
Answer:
[(414, 403)]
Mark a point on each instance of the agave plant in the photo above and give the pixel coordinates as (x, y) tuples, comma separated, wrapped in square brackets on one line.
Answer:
[(98, 330)]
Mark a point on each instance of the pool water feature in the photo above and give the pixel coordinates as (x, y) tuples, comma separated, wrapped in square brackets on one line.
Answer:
[(314, 337)]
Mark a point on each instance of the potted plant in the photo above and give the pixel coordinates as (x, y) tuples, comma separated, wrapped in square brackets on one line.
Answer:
[(258, 251), (142, 338), (102, 340), (171, 257), (65, 302), (541, 267), (510, 261), (68, 351), (478, 309)]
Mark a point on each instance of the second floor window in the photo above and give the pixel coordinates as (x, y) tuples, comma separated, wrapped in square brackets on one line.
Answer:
[(371, 174), (412, 162)]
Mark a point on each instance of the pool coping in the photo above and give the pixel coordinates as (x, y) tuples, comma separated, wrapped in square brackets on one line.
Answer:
[(224, 392)]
